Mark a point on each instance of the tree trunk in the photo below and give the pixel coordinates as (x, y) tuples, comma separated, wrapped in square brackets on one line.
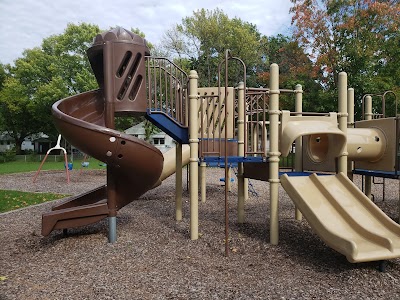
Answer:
[(18, 144)]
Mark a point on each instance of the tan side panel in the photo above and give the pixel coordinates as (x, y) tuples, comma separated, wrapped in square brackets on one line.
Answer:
[(309, 164), (323, 141), (388, 161), (212, 112)]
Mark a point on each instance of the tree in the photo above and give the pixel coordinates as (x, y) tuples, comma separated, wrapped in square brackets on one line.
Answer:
[(356, 36), (203, 39), (16, 111), (2, 75), (2, 80), (295, 67), (43, 75)]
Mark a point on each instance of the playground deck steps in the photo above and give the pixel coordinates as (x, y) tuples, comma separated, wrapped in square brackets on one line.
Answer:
[(77, 211), (74, 217), (169, 125)]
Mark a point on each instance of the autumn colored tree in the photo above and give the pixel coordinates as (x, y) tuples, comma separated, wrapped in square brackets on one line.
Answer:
[(295, 67), (356, 36)]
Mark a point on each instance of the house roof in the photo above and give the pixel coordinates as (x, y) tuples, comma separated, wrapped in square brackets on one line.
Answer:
[(136, 129), (5, 136)]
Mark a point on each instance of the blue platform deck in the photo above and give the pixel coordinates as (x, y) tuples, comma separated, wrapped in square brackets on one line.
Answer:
[(382, 174), (214, 161)]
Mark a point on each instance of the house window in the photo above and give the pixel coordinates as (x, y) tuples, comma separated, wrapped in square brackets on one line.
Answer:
[(159, 141)]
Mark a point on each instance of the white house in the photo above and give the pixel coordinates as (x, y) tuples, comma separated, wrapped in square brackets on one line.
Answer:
[(160, 140), (7, 143), (137, 131), (35, 142)]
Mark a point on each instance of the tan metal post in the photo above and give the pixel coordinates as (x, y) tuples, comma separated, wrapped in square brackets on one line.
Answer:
[(298, 167), (342, 99), (350, 124), (368, 116), (202, 180), (265, 141), (274, 153), (254, 138), (178, 183), (246, 180), (194, 157), (241, 125)]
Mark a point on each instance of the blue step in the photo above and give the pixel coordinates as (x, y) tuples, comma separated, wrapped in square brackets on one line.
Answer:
[(167, 124)]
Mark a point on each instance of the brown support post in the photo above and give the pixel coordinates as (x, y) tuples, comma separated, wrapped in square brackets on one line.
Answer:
[(109, 123), (226, 158), (241, 152)]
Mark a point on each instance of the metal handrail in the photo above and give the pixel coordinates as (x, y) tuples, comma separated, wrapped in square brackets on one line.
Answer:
[(383, 99), (167, 88)]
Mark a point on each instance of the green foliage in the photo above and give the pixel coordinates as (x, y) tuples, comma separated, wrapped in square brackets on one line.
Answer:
[(16, 111), (57, 69), (203, 38), (143, 35), (12, 200), (7, 156), (33, 157), (2, 75), (295, 67), (123, 123), (149, 129)]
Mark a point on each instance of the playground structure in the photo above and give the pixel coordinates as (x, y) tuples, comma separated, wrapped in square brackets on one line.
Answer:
[(368, 114), (225, 125), (56, 147)]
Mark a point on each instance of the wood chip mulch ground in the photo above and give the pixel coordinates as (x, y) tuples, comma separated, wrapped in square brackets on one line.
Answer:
[(154, 257)]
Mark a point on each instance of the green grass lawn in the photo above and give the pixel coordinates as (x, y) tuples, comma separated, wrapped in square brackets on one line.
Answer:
[(22, 166), (10, 200)]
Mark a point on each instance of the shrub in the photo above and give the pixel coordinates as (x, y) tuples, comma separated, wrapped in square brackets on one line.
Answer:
[(8, 155)]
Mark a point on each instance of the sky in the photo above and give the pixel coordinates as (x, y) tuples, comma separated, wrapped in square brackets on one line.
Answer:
[(25, 23)]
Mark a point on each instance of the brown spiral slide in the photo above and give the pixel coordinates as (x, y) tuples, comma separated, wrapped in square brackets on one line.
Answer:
[(134, 164), (87, 121)]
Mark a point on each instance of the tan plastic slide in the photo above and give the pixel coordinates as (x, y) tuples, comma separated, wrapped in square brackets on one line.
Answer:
[(344, 218), (169, 166)]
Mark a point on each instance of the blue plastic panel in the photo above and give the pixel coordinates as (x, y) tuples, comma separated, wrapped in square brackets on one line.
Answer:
[(383, 174), (169, 126)]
